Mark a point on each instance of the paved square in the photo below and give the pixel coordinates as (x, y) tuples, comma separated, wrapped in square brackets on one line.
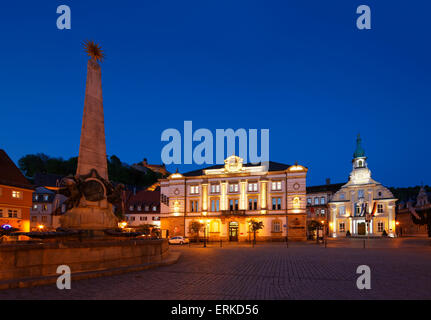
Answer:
[(400, 269)]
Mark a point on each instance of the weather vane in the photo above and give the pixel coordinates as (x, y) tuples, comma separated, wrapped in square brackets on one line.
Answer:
[(94, 50)]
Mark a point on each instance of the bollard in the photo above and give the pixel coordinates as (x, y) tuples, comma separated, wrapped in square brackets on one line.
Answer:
[(364, 244), (287, 242)]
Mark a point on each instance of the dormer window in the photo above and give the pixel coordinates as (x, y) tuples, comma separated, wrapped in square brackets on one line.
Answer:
[(131, 208), (139, 208)]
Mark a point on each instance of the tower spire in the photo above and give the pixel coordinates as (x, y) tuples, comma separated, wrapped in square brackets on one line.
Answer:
[(359, 152)]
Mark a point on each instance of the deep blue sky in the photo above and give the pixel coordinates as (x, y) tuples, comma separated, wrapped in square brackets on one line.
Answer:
[(300, 68)]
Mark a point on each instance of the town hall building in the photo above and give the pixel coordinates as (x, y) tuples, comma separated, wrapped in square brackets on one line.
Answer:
[(363, 206), (225, 199)]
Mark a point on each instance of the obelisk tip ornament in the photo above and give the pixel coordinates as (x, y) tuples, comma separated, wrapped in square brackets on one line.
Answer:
[(94, 51)]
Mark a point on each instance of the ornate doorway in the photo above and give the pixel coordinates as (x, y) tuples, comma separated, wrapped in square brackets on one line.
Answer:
[(233, 231), (361, 228)]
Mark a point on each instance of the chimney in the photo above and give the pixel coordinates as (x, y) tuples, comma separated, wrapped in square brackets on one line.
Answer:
[(328, 181)]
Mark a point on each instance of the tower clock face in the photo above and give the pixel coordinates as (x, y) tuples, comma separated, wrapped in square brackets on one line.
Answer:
[(296, 186), (177, 191)]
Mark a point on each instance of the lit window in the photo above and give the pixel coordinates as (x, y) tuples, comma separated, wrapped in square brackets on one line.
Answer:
[(16, 194), (45, 197), (131, 208), (322, 212), (233, 187), (309, 201), (316, 201), (276, 185), (342, 210), (215, 188), (276, 226), (322, 200), (380, 226), (380, 208), (360, 194), (154, 208), (139, 208), (342, 196), (194, 189), (342, 227)]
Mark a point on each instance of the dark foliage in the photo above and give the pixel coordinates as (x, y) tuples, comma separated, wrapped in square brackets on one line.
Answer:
[(118, 171)]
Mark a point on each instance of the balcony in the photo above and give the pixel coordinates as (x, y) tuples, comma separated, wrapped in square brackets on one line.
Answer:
[(233, 212)]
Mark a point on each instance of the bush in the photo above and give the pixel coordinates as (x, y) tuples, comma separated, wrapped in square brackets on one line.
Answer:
[(384, 234), (348, 233)]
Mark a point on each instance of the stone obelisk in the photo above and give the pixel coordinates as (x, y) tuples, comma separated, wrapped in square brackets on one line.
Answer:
[(92, 148), (90, 189)]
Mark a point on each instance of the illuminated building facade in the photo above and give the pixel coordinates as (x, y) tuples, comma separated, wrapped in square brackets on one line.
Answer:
[(223, 199), (362, 207), (143, 208), (15, 196)]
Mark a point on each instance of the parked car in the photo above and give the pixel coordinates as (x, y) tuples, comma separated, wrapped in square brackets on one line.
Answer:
[(178, 240)]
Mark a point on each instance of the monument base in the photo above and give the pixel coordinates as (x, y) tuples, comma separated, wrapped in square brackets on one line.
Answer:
[(89, 218)]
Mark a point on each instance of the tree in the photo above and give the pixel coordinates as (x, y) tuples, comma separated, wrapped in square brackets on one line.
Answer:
[(196, 226), (255, 226)]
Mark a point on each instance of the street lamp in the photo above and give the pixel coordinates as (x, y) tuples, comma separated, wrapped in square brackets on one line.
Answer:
[(41, 227)]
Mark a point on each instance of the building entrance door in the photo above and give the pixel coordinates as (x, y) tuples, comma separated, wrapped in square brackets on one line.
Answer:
[(361, 228), (233, 231)]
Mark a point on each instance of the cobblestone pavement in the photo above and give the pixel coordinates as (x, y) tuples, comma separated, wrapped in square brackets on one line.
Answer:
[(400, 269)]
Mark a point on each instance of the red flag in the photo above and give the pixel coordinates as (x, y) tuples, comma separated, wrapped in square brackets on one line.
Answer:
[(374, 209)]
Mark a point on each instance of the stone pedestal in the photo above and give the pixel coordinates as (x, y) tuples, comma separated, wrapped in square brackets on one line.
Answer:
[(90, 217)]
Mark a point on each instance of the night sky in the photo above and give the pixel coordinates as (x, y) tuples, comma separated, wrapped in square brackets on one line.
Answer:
[(299, 68)]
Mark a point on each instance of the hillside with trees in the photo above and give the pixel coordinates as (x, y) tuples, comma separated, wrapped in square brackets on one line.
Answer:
[(118, 171)]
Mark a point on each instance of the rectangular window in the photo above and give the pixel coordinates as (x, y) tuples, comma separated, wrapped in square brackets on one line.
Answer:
[(276, 203), (360, 194), (252, 187), (33, 219), (342, 227), (215, 188), (16, 194), (309, 201), (380, 208), (1, 213), (342, 210), (322, 200), (276, 226), (316, 201), (194, 206), (322, 212), (342, 196), (194, 189), (233, 187), (380, 226), (252, 203), (9, 214), (276, 185)]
